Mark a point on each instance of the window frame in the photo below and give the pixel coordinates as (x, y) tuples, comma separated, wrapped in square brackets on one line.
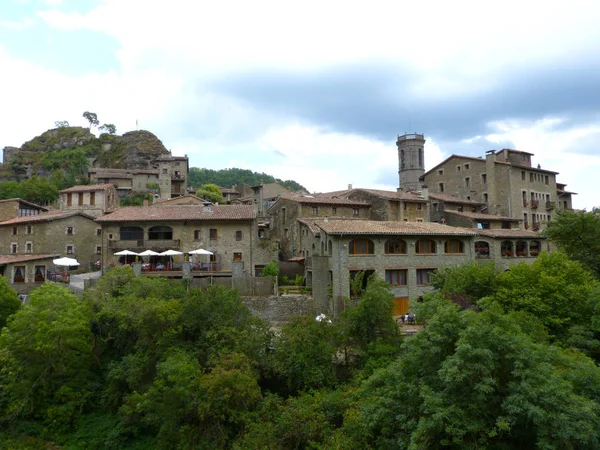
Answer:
[(428, 271), (451, 242), (352, 246), (399, 275), (433, 247), (391, 245)]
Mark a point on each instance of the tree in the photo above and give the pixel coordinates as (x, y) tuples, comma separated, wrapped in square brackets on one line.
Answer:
[(109, 128), (10, 189), (271, 269), (577, 233), (61, 124), (9, 301), (210, 192), (92, 118)]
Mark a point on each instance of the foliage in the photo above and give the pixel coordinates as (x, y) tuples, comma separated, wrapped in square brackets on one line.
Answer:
[(231, 177), (271, 269), (61, 124), (92, 118), (39, 190), (577, 233), (108, 128), (210, 192), (136, 199), (10, 189), (9, 301)]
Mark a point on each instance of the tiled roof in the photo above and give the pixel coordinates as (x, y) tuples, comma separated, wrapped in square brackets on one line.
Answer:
[(20, 200), (189, 197), (391, 195), (310, 223), (324, 200), (480, 216), (11, 259), (178, 213), (45, 217), (452, 199), (510, 234), (350, 226), (87, 188)]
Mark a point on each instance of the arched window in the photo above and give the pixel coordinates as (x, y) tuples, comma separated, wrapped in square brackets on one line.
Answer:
[(330, 248), (454, 246), (534, 248), (160, 233), (522, 248), (482, 249), (425, 246), (131, 234), (402, 159), (506, 248), (395, 247), (360, 247), (420, 158)]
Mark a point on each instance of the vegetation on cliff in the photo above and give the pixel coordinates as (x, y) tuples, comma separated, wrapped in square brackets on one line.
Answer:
[(229, 177)]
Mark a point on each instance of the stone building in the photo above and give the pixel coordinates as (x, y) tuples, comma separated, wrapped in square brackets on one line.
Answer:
[(505, 181), (58, 233), (17, 207), (25, 272), (230, 232), (288, 208), (411, 161), (404, 254), (95, 200)]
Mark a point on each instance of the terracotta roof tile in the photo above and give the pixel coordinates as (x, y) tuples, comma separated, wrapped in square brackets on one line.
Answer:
[(45, 217), (11, 259), (357, 226), (178, 213), (20, 200), (311, 200), (87, 188)]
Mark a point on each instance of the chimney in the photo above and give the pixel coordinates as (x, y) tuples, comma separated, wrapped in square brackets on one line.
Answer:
[(206, 207)]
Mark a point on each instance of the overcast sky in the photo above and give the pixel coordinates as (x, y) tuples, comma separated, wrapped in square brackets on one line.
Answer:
[(314, 91)]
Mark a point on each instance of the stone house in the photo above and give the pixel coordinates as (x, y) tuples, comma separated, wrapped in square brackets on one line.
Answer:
[(17, 207), (507, 247), (25, 272), (95, 200), (229, 231), (59, 233), (290, 207), (404, 254), (505, 181)]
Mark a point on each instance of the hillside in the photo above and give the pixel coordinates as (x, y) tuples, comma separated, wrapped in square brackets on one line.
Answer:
[(230, 177)]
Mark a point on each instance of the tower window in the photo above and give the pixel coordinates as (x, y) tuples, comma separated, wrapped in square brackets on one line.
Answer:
[(441, 187)]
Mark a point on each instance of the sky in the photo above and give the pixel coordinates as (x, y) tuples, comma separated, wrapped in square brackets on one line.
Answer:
[(314, 91)]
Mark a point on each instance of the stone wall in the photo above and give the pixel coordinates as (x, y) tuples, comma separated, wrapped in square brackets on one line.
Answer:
[(278, 310)]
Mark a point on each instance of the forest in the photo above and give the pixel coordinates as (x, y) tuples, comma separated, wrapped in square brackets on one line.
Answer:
[(505, 360)]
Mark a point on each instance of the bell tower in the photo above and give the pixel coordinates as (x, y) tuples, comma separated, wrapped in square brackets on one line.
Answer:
[(411, 160)]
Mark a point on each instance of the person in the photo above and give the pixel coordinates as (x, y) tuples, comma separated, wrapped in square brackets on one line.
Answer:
[(411, 318)]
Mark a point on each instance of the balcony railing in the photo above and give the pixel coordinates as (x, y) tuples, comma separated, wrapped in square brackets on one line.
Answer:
[(550, 206), (144, 244), (535, 204), (525, 203)]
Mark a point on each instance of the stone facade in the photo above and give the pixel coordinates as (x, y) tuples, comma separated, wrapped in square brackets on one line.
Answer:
[(94, 200), (278, 310), (411, 160), (25, 272), (72, 234), (16, 207)]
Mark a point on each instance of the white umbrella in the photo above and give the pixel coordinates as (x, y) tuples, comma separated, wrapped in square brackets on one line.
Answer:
[(200, 251), (170, 253), (64, 261), (149, 253), (125, 253)]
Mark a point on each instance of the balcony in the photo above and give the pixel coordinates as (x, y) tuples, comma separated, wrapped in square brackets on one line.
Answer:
[(144, 244), (550, 206), (535, 204), (525, 203)]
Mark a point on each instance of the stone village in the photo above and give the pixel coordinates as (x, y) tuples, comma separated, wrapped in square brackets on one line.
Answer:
[(487, 208)]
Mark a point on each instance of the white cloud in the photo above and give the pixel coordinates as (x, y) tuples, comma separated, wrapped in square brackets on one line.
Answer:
[(17, 25)]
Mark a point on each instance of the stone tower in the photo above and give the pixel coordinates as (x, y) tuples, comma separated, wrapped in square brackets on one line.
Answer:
[(411, 160)]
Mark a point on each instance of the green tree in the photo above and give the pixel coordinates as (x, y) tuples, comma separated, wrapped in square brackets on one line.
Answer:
[(61, 124), (271, 269), (9, 301), (108, 128), (10, 189), (210, 192), (92, 118), (577, 233), (39, 190)]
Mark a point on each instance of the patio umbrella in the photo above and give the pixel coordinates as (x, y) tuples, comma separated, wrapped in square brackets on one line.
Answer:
[(149, 253), (170, 253), (64, 261), (200, 251), (126, 253)]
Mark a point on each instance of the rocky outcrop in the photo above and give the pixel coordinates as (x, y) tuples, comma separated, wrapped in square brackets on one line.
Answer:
[(58, 138), (141, 149)]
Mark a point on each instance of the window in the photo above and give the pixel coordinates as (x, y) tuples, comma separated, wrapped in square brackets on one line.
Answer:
[(197, 235), (130, 233), (29, 229), (213, 233), (458, 168), (69, 249), (522, 175), (28, 247), (40, 274), (333, 210), (98, 231), (14, 231), (441, 187), (483, 178), (395, 247), (80, 199), (419, 206), (467, 182), (160, 232), (453, 246), (420, 157), (360, 247), (98, 250), (261, 233), (355, 212), (13, 248), (546, 180), (485, 197), (424, 276), (238, 235), (435, 206), (70, 230), (425, 246), (505, 225), (314, 210), (441, 172), (237, 256), (164, 171), (531, 177), (92, 198), (396, 277), (258, 269), (467, 166), (19, 276)]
